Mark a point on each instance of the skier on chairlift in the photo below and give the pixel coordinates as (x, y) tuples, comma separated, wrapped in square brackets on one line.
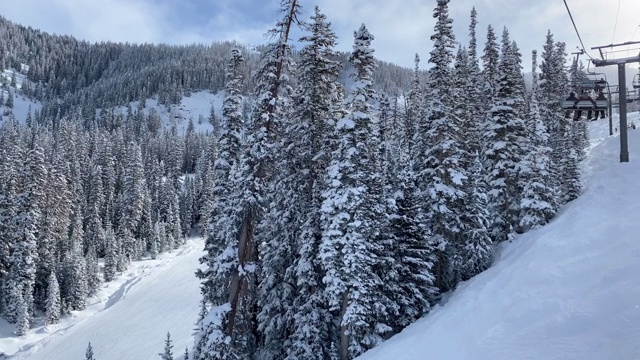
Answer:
[(572, 97), (584, 96), (601, 111)]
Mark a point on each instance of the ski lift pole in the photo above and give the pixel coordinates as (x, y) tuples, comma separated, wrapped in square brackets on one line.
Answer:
[(622, 93), (624, 144), (610, 110)]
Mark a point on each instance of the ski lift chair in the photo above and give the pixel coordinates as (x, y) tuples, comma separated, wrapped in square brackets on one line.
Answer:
[(636, 81)]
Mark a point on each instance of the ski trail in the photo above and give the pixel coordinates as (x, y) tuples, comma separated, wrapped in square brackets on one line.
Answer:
[(135, 318)]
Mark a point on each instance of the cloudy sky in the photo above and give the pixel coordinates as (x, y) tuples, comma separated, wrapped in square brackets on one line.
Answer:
[(401, 27)]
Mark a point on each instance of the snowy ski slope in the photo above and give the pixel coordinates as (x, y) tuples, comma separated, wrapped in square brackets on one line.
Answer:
[(570, 290), (129, 319)]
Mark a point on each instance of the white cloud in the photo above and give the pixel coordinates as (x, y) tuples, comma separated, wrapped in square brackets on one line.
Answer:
[(401, 27), (115, 20)]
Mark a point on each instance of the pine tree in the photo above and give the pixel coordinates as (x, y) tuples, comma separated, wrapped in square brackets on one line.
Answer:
[(537, 199), (352, 216), (23, 320), (410, 281), (167, 354), (213, 120), (9, 187), (53, 306), (132, 199), (214, 336), (92, 271), (94, 234), (471, 252), (474, 91), (74, 284), (289, 314), (89, 353), (490, 62), (506, 136), (552, 86), (413, 110), (20, 281), (111, 254), (9, 102), (441, 168)]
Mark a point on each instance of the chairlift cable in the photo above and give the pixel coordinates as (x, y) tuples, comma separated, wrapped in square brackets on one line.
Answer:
[(616, 23), (576, 28)]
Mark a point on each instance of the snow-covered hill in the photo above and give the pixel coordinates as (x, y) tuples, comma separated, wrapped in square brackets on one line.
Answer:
[(21, 105), (128, 319), (570, 290), (196, 107)]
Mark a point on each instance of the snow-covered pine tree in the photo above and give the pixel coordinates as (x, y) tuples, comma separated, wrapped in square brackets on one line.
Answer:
[(53, 305), (10, 100), (186, 206), (564, 155), (23, 319), (20, 281), (74, 288), (352, 217), (9, 186), (132, 200), (111, 254), (89, 353), (441, 173), (94, 233), (410, 281), (414, 111), (471, 252), (580, 136), (537, 199), (167, 354), (505, 133), (490, 62), (92, 271), (53, 226), (215, 328), (294, 317), (474, 97)]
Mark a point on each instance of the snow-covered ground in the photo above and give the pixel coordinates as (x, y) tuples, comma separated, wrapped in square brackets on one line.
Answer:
[(196, 106), (21, 104), (128, 319), (570, 290)]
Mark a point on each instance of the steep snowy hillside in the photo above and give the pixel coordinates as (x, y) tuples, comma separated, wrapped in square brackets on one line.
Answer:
[(570, 290), (21, 105), (196, 107), (128, 319)]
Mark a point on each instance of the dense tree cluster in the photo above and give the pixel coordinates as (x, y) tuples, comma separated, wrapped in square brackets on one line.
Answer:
[(102, 75), (69, 197), (334, 215), (348, 215)]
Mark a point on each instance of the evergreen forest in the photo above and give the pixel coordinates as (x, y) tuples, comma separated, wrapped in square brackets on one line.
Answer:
[(339, 196)]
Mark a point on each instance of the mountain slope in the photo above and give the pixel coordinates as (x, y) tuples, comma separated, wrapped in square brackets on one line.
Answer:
[(570, 290), (152, 298)]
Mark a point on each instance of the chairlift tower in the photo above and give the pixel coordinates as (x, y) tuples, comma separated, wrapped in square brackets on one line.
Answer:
[(622, 83)]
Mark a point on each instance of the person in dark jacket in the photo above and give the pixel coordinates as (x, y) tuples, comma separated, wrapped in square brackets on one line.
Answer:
[(572, 97), (584, 96), (600, 97)]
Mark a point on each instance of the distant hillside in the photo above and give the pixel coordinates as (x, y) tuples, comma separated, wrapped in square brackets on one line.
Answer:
[(106, 74)]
